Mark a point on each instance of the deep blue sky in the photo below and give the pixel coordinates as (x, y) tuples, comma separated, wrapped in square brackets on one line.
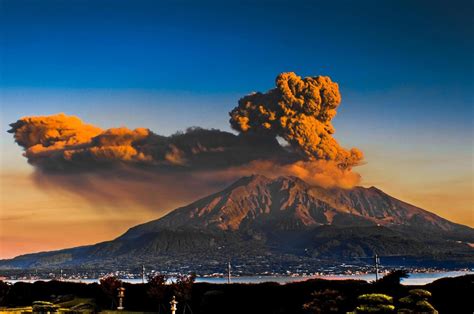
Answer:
[(401, 65), (220, 47)]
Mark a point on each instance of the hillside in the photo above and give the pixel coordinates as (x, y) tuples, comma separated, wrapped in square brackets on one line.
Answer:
[(282, 220)]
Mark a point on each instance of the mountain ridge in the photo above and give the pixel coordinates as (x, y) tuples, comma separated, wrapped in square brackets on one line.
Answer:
[(283, 218), (260, 190)]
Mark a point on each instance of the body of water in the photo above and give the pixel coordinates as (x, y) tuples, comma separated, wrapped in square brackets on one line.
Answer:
[(413, 279)]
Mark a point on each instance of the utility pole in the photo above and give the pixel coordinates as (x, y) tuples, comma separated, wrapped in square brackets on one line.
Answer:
[(228, 272), (376, 264)]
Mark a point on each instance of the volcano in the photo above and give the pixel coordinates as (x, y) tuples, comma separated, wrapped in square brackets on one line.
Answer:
[(279, 220)]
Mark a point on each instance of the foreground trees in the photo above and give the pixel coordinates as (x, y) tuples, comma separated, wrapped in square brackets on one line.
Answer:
[(156, 288), (449, 296), (4, 289), (325, 301), (417, 302), (109, 286), (375, 303), (161, 288)]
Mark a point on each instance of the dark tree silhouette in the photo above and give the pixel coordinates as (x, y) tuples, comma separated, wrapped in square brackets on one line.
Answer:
[(393, 278), (183, 286), (156, 289), (324, 301), (4, 289), (182, 289), (109, 286)]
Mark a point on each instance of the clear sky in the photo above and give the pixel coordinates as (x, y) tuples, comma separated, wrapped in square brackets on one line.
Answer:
[(405, 71)]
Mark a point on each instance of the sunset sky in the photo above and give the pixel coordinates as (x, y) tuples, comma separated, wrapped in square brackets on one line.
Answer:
[(404, 69)]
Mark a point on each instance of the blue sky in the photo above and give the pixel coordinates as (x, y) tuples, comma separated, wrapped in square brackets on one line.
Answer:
[(409, 61), (235, 47), (405, 70)]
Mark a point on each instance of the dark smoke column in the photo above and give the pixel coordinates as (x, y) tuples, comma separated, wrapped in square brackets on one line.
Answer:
[(300, 111)]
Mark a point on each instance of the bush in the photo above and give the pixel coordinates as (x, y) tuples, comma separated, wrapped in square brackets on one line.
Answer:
[(381, 308), (43, 307), (420, 293), (375, 303), (416, 302), (424, 306), (375, 298), (324, 301)]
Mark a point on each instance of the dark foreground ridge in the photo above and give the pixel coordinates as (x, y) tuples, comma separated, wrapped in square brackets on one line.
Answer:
[(448, 295), (265, 224)]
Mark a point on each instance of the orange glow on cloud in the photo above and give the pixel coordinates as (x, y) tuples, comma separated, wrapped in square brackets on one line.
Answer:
[(91, 185), (322, 173)]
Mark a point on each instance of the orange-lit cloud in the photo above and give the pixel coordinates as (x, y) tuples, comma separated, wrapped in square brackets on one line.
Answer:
[(300, 111), (54, 144), (324, 173), (141, 167)]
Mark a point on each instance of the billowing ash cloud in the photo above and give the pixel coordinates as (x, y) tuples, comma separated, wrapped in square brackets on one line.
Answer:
[(300, 111), (141, 167), (65, 143)]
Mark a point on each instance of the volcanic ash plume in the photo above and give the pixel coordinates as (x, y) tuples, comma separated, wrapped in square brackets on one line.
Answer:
[(54, 142), (133, 167), (300, 111), (64, 143), (323, 173), (141, 167)]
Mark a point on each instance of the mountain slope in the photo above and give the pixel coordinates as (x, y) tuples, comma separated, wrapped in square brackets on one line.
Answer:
[(288, 203), (285, 219)]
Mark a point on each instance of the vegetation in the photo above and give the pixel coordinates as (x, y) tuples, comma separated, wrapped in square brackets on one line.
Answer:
[(183, 238), (182, 289), (156, 290), (375, 303), (109, 286), (4, 288), (44, 307), (325, 301), (393, 278), (448, 295), (417, 302)]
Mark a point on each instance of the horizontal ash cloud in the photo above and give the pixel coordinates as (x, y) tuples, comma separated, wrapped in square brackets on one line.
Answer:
[(65, 143), (145, 167)]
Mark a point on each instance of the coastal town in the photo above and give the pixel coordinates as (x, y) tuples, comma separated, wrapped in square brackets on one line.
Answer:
[(236, 273)]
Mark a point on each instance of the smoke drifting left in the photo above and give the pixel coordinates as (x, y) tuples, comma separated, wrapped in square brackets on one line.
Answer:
[(141, 167), (132, 166)]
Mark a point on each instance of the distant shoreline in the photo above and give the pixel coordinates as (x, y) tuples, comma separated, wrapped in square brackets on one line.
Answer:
[(413, 279)]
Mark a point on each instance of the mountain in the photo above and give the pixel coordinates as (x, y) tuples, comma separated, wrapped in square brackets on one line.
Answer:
[(289, 203), (276, 221)]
